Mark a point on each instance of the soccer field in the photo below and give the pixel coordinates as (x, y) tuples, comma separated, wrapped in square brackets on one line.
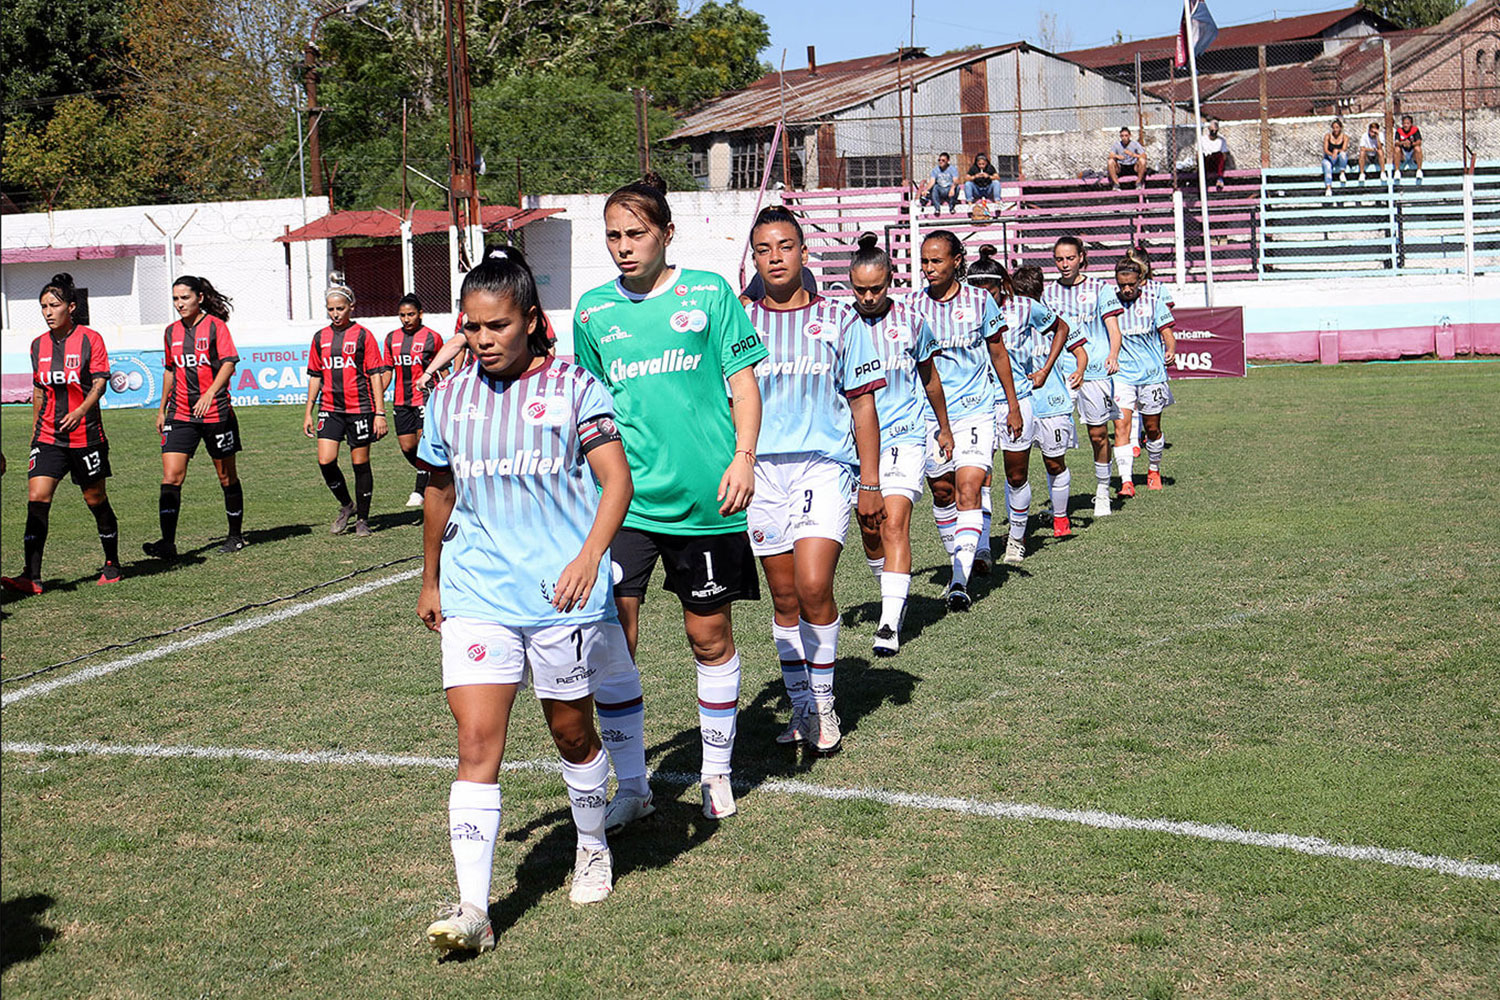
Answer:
[(1259, 712)]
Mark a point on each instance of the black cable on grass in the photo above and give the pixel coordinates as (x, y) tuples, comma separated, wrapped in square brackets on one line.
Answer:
[(204, 621)]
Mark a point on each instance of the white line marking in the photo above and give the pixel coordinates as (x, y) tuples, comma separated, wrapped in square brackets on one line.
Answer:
[(89, 673), (1219, 833)]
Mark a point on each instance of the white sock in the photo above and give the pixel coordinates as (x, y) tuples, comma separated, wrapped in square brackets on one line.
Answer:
[(793, 662), (822, 645), (1060, 485), (877, 566), (1020, 509), (965, 543), (946, 519), (894, 589), (1101, 476), (1125, 460), (622, 726), (473, 825), (984, 527), (586, 794), (1153, 452), (718, 711)]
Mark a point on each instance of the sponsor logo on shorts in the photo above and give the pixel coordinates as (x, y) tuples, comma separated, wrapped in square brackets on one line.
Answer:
[(712, 589), (756, 536), (32, 464), (450, 533), (477, 652)]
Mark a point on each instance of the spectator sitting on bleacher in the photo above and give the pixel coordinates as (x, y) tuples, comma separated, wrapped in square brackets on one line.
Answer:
[(1409, 145), (1335, 155), (1129, 155), (941, 186), (1215, 151), (1370, 148), (982, 182)]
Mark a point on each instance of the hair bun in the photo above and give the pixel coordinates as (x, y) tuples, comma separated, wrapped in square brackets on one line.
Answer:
[(62, 279), (868, 241), (987, 252), (336, 278), (652, 179)]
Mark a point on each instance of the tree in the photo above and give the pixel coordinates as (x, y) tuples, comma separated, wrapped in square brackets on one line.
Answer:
[(1412, 13), (695, 58), (57, 50)]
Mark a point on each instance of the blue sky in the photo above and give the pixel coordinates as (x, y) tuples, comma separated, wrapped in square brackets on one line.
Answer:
[(843, 29)]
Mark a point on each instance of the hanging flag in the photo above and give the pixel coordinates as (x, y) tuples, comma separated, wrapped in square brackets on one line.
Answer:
[(1204, 32)]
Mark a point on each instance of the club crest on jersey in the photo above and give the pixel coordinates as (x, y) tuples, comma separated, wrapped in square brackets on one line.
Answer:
[(72, 361), (682, 321), (200, 342), (680, 291), (697, 321), (962, 314), (816, 328), (350, 346), (898, 333), (478, 651), (549, 410)]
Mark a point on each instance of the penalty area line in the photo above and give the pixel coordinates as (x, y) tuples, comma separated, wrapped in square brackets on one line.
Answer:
[(259, 621), (1096, 819)]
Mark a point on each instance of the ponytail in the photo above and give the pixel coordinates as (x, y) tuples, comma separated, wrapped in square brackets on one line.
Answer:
[(870, 254), (987, 269), (215, 302)]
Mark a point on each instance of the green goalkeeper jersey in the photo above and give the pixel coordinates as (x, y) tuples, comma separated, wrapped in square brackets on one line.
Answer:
[(665, 357)]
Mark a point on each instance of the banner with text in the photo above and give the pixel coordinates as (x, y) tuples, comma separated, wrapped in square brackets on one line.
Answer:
[(1210, 343)]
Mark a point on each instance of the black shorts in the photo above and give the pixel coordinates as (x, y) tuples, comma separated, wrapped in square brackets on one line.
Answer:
[(409, 419), (87, 465), (704, 571), (356, 428), (220, 440)]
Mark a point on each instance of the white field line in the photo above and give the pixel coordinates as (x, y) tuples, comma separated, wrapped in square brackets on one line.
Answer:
[(134, 659), (1315, 846)]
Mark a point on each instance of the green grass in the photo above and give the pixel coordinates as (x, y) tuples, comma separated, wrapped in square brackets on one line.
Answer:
[(1300, 635)]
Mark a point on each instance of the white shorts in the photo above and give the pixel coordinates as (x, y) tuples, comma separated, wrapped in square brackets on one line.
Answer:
[(563, 662), (1056, 434), (1095, 402), (934, 464), (1028, 426), (798, 496), (974, 442), (901, 466), (1153, 397)]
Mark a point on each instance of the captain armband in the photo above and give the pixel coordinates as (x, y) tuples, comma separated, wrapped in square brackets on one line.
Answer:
[(597, 431)]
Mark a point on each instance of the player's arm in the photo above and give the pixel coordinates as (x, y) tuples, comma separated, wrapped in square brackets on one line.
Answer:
[(377, 393), (606, 457), (437, 508), (737, 485), (1169, 343), (1059, 343), (219, 384), (168, 387), (871, 509), (314, 387), (1112, 325), (1000, 360), (938, 400), (451, 349), (96, 392), (37, 401)]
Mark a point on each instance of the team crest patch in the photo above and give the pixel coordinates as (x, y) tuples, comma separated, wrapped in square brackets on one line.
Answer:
[(583, 315), (680, 291), (758, 535), (200, 343), (549, 410), (682, 321), (72, 360), (478, 651), (697, 321), (350, 346), (816, 328), (898, 333), (962, 315)]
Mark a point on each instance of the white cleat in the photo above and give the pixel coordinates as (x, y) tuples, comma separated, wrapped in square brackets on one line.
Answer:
[(625, 808), (415, 500), (829, 739), (718, 797), (593, 876), (462, 927), (798, 729), (1101, 505), (1015, 551), (887, 642)]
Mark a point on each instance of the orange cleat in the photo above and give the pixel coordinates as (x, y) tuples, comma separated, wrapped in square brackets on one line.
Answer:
[(1127, 488), (1153, 479), (21, 585), (1061, 527), (110, 573)]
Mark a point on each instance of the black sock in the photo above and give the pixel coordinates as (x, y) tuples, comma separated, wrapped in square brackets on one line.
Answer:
[(411, 459), (234, 507), (335, 480), (422, 474), (168, 506), (37, 513), (109, 531), (364, 488), (422, 478)]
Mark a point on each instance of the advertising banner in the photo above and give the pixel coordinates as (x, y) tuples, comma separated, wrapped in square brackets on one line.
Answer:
[(1210, 343)]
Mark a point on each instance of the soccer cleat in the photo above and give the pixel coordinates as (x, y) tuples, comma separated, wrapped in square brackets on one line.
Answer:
[(718, 797), (342, 521), (462, 927), (1153, 479), (887, 643), (797, 730), (109, 573), (22, 584), (593, 876), (829, 738), (1127, 488), (1101, 505), (982, 562), (1061, 527), (957, 597), (362, 528), (160, 549), (1015, 551), (626, 808), (415, 500), (232, 544)]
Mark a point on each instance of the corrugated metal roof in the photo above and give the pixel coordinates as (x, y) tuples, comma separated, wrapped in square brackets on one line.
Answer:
[(1283, 29), (834, 87), (376, 222)]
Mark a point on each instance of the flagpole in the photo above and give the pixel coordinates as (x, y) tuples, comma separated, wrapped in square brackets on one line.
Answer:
[(1208, 253)]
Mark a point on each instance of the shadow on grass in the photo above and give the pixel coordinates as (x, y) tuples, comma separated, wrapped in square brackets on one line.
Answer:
[(396, 519), (22, 934)]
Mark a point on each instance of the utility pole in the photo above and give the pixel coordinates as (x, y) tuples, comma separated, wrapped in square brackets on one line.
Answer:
[(642, 135), (463, 190), (310, 84)]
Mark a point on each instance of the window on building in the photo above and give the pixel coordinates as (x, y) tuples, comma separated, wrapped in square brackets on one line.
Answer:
[(698, 166), (747, 161), (872, 171)]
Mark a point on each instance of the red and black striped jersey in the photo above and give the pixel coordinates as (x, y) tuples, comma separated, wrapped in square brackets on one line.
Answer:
[(345, 359), (63, 370), (407, 355), (195, 354)]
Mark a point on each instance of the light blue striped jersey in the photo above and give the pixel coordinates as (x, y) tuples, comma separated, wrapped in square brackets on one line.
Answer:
[(1143, 354), (1084, 306), (1162, 289), (902, 339), (962, 325), (525, 498), (1028, 339), (1052, 398), (820, 357)]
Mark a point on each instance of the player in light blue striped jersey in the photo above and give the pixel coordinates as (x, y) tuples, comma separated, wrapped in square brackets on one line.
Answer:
[(1128, 435), (1090, 307), (907, 347), (818, 423), (1035, 338), (1141, 386), (970, 333), (516, 574)]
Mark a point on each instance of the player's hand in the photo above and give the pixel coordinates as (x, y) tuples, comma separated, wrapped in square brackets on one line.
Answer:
[(1039, 379), (161, 422), (574, 584), (201, 407), (945, 443), (381, 427), (424, 383), (308, 428), (737, 485), (430, 608), (1014, 424), (871, 509), (1112, 364), (1075, 380)]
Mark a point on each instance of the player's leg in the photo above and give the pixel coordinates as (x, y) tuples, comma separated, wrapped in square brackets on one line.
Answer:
[(1113, 169), (234, 502), (46, 469), (1018, 502), (330, 436), (1099, 440), (179, 442), (815, 560), (895, 582), (710, 634), (618, 696), (91, 471), (786, 628), (986, 501), (1154, 445), (1125, 437), (364, 477), (1140, 172), (408, 443), (969, 482), (939, 473), (874, 548)]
